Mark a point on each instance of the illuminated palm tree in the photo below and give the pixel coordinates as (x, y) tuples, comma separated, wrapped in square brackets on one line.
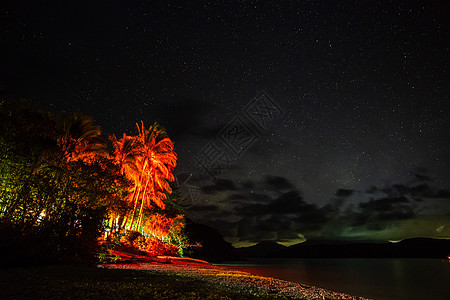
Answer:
[(125, 155), (156, 161)]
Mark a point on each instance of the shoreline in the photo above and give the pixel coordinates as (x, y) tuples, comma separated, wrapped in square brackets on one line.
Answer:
[(231, 280), (145, 277)]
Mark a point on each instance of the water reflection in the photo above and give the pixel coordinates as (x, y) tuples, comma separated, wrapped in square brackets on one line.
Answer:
[(412, 279)]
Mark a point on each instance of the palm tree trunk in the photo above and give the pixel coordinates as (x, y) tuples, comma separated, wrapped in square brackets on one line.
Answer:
[(135, 201), (140, 214), (142, 203)]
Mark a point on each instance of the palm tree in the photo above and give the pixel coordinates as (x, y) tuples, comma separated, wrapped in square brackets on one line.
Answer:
[(125, 154), (80, 138), (156, 160)]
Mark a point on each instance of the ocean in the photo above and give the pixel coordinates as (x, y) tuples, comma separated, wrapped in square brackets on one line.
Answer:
[(376, 278)]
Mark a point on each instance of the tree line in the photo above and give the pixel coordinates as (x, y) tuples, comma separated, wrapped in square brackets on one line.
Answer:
[(64, 188)]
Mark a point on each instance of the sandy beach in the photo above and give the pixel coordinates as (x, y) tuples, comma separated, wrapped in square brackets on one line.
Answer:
[(144, 277), (232, 280)]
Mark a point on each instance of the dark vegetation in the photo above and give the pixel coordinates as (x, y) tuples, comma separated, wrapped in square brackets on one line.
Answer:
[(211, 245)]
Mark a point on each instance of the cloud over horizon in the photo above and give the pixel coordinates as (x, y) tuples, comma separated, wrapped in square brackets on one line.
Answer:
[(272, 208)]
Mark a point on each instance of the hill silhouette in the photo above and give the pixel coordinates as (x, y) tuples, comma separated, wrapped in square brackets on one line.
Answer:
[(408, 248)]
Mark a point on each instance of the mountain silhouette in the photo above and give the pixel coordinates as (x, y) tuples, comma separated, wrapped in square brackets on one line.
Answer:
[(408, 248)]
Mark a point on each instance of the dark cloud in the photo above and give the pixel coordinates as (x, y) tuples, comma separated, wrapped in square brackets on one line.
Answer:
[(273, 209), (274, 223), (377, 214), (372, 190), (344, 193), (442, 194), (246, 197), (392, 210), (421, 177), (388, 209), (220, 185), (399, 189), (251, 210), (248, 184), (237, 197), (283, 217), (423, 191), (287, 203), (277, 183), (418, 192), (314, 218), (246, 229), (383, 204), (204, 208), (267, 209)]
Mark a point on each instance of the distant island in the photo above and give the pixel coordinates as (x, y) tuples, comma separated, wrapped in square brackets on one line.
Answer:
[(408, 248)]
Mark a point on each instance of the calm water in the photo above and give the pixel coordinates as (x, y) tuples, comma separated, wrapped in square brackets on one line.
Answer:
[(383, 279)]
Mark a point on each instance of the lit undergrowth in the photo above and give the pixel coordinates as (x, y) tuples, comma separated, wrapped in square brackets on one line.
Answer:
[(75, 282)]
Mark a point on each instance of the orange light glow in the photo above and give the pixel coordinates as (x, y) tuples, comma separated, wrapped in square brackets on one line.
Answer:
[(148, 160)]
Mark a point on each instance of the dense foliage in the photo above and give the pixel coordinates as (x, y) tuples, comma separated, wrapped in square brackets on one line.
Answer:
[(61, 190)]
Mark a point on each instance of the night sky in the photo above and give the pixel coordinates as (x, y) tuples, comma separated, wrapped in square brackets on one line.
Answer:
[(311, 120)]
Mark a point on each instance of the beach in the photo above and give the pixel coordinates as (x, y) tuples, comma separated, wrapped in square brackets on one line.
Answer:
[(150, 278), (228, 279)]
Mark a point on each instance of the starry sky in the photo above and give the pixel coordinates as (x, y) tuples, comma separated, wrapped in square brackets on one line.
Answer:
[(293, 121)]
